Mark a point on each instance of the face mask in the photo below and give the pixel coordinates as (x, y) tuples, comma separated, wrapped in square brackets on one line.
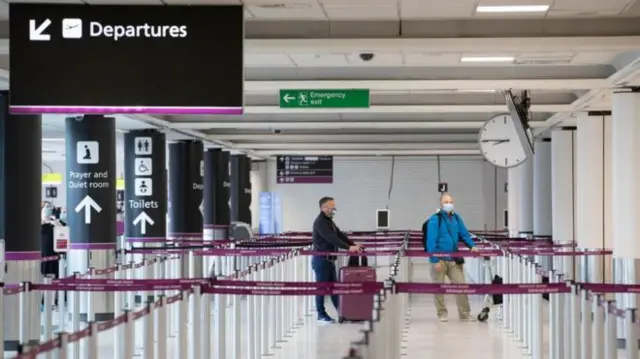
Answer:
[(447, 207), (63, 216), (47, 212), (333, 212)]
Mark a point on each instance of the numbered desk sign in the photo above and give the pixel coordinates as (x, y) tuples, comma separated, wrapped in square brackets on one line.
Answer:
[(61, 241)]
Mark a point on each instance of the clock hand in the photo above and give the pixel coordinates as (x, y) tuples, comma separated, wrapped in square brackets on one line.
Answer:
[(497, 142)]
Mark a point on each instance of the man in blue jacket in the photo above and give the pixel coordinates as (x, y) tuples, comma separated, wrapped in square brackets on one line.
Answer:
[(444, 229)]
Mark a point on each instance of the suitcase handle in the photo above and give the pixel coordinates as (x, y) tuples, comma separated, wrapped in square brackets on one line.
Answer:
[(357, 261)]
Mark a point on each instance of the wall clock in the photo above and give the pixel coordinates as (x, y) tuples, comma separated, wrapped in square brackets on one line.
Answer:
[(500, 143)]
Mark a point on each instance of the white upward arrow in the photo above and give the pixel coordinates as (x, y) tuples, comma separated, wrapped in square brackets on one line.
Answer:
[(87, 203), (287, 98), (144, 219), (36, 32)]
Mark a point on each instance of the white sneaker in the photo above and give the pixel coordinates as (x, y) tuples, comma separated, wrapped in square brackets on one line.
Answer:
[(469, 318), (443, 319)]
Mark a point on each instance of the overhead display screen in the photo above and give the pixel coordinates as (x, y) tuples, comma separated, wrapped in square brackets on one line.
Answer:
[(126, 59)]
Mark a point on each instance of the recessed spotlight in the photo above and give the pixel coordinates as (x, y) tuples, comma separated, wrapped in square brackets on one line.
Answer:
[(285, 6), (487, 59), (513, 8)]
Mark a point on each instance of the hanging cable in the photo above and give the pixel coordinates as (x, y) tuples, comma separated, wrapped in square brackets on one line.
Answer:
[(393, 165), (438, 164)]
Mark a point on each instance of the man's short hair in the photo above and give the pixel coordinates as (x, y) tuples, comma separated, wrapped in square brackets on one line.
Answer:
[(443, 194), (324, 200)]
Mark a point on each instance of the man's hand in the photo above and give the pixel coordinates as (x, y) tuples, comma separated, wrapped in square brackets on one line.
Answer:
[(474, 249), (438, 267), (356, 248)]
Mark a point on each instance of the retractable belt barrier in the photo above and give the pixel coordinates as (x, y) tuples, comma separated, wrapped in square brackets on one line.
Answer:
[(259, 297)]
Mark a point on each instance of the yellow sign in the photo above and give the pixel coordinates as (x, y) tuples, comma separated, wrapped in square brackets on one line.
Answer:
[(119, 183), (52, 178)]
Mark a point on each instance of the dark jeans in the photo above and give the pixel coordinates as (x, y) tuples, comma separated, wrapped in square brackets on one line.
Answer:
[(325, 271)]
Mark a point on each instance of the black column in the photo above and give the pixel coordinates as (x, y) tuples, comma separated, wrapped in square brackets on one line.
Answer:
[(240, 189), (91, 181), (20, 182), (186, 170), (145, 178), (216, 194)]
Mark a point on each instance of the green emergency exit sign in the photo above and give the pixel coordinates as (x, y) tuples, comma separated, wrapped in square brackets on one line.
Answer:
[(346, 98)]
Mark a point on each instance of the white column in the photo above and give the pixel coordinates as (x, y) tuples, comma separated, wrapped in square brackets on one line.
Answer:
[(542, 218), (513, 199), (562, 196), (625, 196), (625, 174), (525, 212), (259, 183), (590, 181)]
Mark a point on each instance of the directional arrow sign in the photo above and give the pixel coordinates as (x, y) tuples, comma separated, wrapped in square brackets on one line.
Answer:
[(87, 203), (144, 219), (288, 98), (36, 33), (201, 208)]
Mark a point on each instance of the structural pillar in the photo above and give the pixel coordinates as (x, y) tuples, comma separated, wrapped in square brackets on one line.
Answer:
[(20, 198), (241, 189), (563, 194), (625, 176), (145, 180), (217, 212), (186, 172), (91, 202), (590, 193), (525, 200), (513, 200), (542, 217)]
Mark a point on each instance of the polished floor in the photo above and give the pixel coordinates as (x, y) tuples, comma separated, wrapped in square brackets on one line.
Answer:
[(424, 337)]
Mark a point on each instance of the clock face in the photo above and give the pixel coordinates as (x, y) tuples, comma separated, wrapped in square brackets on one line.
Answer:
[(499, 142)]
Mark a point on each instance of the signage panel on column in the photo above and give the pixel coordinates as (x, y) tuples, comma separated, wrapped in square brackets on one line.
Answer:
[(216, 194), (134, 52), (186, 186), (91, 186), (145, 185), (240, 189), (304, 169)]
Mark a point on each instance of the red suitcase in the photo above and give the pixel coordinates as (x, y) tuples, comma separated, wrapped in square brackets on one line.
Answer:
[(356, 307)]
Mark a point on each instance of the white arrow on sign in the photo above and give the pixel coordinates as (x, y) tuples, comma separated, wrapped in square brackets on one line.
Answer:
[(36, 33), (201, 208), (144, 219), (287, 98), (87, 203)]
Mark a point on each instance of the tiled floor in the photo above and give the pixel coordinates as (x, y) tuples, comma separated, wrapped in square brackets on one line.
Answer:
[(426, 337)]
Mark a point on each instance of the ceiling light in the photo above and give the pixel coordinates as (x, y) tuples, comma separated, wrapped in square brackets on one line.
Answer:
[(478, 90), (513, 8), (487, 59), (53, 139)]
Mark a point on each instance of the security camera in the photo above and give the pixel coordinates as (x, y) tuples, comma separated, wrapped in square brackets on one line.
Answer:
[(366, 56), (276, 131)]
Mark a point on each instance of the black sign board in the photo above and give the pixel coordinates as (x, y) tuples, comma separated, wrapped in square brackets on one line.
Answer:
[(443, 187), (51, 192), (126, 59), (305, 169), (506, 187)]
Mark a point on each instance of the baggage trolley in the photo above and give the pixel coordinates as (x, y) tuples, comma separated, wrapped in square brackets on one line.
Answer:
[(490, 300)]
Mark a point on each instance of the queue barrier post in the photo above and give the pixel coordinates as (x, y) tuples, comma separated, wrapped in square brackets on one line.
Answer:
[(236, 323), (632, 334), (196, 327), (23, 307), (560, 320), (206, 326), (265, 328), (220, 327), (574, 320), (149, 331), (585, 328), (92, 341), (182, 349), (47, 318), (538, 318), (163, 332), (597, 329), (63, 349), (611, 333), (129, 334), (254, 317)]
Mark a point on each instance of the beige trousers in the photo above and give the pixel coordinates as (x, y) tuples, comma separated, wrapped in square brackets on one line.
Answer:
[(455, 273)]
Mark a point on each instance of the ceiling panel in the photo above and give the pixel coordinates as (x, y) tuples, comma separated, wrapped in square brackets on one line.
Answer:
[(434, 9), (319, 60), (285, 10), (265, 60), (129, 2), (203, 2), (361, 9), (591, 5)]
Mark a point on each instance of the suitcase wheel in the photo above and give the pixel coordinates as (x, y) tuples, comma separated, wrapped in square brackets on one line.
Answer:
[(483, 315), (341, 320)]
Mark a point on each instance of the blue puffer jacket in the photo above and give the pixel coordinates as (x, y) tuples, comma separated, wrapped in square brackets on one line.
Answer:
[(444, 230)]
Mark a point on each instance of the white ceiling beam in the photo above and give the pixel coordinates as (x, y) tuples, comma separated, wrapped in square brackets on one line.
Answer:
[(359, 146), (285, 137), (366, 152), (339, 125), (458, 45), (273, 87)]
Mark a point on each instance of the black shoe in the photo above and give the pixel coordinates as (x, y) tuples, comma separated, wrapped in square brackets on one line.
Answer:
[(325, 319)]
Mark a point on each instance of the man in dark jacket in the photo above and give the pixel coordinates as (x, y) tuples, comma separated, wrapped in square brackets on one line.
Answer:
[(327, 237)]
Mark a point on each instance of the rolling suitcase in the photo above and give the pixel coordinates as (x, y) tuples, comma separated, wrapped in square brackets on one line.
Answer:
[(356, 307)]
